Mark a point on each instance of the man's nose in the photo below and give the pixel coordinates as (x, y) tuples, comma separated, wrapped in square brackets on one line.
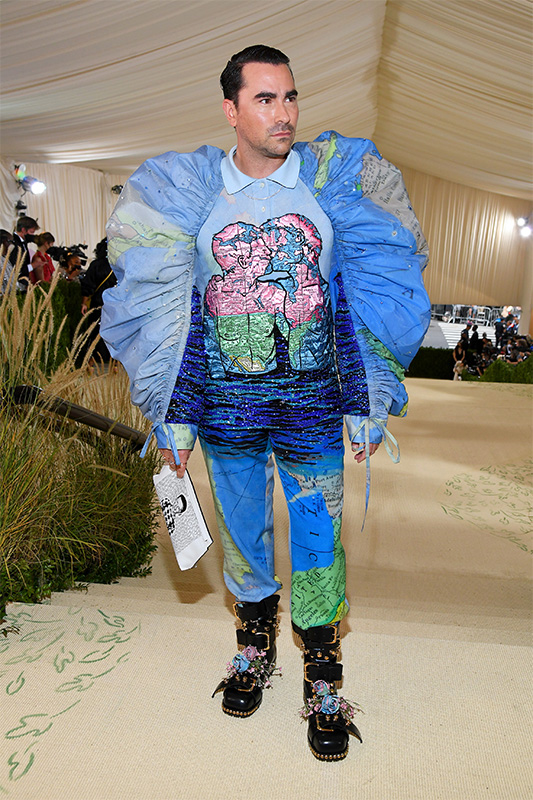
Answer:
[(282, 111)]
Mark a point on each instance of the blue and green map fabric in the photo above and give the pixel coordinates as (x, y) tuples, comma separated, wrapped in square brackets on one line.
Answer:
[(258, 314), (379, 253)]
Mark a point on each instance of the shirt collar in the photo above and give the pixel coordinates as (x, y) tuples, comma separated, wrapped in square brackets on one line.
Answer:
[(235, 180)]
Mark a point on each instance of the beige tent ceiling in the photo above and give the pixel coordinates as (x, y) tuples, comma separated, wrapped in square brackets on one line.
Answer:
[(442, 86)]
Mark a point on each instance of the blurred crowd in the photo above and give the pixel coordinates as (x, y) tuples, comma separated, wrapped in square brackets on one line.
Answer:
[(28, 257), (475, 352)]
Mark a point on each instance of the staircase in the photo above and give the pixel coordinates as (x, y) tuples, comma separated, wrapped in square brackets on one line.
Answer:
[(451, 331)]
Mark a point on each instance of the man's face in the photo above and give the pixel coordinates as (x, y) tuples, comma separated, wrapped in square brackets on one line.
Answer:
[(267, 112)]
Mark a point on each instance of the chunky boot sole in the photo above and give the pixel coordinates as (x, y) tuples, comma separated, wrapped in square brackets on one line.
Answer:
[(322, 757)]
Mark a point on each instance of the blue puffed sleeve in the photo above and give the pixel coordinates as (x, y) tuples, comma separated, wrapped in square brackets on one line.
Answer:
[(151, 243), (380, 253), (380, 250)]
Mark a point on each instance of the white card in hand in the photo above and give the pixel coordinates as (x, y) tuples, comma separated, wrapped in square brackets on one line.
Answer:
[(185, 522)]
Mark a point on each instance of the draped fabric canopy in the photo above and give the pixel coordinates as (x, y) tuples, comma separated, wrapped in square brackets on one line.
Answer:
[(91, 88), (442, 86)]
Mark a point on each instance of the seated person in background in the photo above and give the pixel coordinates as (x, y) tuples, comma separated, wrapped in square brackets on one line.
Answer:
[(42, 266), (485, 360), (522, 344), (485, 341), (459, 355), (508, 348)]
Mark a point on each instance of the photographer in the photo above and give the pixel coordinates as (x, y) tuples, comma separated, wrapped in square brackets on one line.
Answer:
[(70, 267)]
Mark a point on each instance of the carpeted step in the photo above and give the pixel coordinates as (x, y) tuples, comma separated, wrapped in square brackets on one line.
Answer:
[(181, 581), (142, 593), (134, 604), (99, 704)]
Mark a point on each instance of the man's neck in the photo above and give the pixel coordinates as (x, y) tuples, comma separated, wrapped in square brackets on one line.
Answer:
[(257, 167)]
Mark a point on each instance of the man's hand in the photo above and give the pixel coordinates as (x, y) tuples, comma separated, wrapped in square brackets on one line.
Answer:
[(168, 457), (359, 450)]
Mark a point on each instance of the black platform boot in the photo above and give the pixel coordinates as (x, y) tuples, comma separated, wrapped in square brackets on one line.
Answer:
[(329, 716), (250, 671)]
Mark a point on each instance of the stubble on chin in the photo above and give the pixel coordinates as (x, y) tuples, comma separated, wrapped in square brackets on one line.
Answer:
[(279, 148)]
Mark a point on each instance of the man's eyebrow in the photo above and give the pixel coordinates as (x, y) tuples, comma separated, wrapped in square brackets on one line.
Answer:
[(273, 95)]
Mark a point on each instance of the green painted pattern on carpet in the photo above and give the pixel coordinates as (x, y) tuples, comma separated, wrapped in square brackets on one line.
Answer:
[(77, 648), (497, 499)]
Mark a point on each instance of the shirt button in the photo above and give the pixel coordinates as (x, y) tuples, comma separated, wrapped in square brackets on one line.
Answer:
[(262, 185)]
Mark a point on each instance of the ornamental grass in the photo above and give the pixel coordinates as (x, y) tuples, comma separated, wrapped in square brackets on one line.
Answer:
[(76, 504)]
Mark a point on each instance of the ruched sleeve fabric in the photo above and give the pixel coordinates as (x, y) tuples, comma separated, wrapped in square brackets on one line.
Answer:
[(380, 254), (152, 235)]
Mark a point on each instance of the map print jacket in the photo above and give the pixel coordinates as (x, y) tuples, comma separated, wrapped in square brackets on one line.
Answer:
[(379, 255)]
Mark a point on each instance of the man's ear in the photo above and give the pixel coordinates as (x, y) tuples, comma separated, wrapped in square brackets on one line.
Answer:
[(228, 107)]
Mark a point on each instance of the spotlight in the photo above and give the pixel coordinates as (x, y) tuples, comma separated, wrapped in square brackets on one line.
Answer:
[(117, 188), (26, 182), (33, 185), (525, 223)]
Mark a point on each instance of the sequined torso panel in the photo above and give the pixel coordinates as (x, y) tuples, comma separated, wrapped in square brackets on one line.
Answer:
[(264, 276)]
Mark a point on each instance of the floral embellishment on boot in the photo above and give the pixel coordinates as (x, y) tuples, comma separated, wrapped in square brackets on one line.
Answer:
[(324, 701), (253, 662)]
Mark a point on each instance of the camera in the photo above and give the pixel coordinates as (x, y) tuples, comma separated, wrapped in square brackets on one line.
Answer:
[(61, 253)]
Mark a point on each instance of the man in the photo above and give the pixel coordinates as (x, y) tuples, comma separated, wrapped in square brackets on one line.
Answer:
[(24, 233), (261, 297), (499, 328), (474, 339)]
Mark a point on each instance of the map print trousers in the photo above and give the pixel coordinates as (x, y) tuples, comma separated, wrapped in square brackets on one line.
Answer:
[(240, 463)]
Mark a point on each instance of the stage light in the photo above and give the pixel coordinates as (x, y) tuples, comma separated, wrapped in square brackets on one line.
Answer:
[(33, 185), (26, 182), (525, 225)]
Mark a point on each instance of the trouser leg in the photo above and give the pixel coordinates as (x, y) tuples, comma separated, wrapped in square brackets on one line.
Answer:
[(241, 472), (310, 465)]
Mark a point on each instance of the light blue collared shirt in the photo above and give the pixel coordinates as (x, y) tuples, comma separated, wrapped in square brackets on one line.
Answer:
[(235, 180)]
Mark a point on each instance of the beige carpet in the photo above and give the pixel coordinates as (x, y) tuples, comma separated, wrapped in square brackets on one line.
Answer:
[(107, 693)]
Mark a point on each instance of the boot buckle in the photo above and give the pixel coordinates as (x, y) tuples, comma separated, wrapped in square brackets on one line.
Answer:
[(263, 640), (328, 672)]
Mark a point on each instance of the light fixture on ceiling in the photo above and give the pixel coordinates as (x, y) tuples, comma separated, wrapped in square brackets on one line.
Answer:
[(26, 182), (525, 225)]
